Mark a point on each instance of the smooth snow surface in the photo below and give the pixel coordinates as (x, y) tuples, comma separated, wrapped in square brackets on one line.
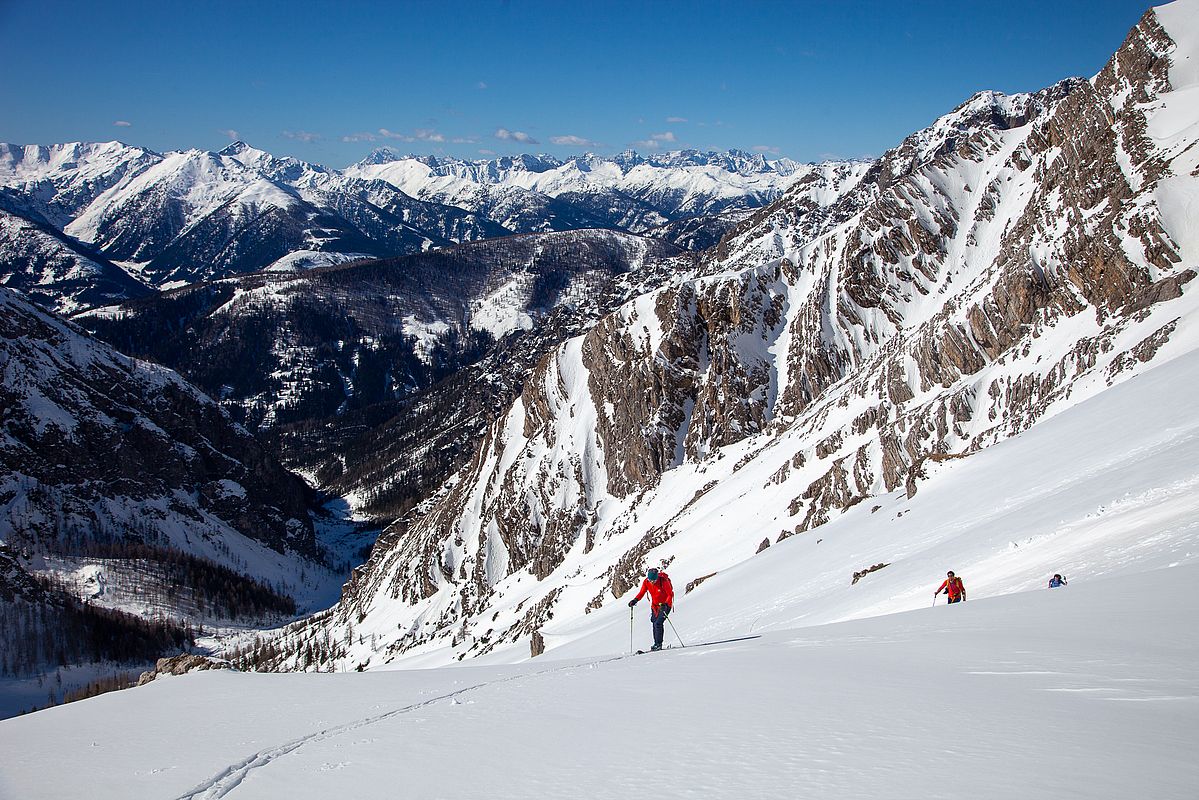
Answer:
[(1178, 18), (1085, 691)]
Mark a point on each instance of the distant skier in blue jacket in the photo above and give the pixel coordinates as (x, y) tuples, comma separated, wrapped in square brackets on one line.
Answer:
[(1056, 581)]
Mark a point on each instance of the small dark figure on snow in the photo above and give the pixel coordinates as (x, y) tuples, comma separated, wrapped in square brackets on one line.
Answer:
[(1056, 581), (952, 587), (661, 597)]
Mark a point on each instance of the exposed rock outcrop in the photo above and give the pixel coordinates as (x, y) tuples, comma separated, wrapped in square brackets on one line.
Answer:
[(181, 665)]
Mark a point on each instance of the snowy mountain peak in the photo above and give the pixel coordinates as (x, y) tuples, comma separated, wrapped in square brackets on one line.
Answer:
[(382, 155), (733, 160), (235, 149)]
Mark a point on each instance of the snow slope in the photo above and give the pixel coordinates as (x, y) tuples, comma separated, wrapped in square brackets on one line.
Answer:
[(1087, 691), (1106, 488)]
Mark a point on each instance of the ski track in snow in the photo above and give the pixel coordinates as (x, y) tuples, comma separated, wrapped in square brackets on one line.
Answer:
[(230, 778)]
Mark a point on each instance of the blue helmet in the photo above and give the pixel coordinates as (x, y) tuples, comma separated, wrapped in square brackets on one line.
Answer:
[(652, 575)]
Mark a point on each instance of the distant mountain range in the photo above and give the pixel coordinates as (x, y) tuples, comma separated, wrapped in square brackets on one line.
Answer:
[(89, 224)]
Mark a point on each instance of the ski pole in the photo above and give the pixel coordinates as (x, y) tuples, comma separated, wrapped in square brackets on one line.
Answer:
[(630, 629), (676, 633), (934, 599)]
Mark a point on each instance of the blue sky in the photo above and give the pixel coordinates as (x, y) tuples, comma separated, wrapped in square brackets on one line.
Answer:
[(330, 82)]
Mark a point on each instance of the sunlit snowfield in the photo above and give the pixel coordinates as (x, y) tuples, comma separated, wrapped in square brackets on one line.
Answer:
[(1086, 691)]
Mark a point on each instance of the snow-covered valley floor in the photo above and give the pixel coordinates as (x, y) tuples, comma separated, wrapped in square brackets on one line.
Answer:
[(1086, 691)]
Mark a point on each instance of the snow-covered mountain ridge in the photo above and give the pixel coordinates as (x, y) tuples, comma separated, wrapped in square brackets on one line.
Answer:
[(180, 217), (1016, 258), (653, 189)]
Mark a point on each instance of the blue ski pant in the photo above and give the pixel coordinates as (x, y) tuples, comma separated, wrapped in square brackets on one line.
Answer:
[(658, 619)]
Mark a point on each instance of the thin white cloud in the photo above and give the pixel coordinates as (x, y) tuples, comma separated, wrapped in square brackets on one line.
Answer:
[(483, 151), (418, 135), (232, 134), (656, 140), (675, 120), (765, 148), (573, 141), (120, 123), (514, 136), (481, 85), (303, 136)]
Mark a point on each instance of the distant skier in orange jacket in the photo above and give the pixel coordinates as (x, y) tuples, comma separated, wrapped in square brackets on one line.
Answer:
[(952, 587), (661, 597)]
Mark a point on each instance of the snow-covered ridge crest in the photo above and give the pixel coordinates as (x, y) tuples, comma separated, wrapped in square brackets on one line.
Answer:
[(662, 186), (502, 168), (165, 219), (1014, 259)]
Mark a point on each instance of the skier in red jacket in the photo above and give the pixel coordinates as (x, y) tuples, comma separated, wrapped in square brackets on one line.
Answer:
[(661, 598), (953, 588)]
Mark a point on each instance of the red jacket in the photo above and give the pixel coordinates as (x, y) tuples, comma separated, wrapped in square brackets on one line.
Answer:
[(953, 587), (660, 593)]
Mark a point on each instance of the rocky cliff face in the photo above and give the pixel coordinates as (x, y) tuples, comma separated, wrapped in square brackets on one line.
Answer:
[(1017, 256)]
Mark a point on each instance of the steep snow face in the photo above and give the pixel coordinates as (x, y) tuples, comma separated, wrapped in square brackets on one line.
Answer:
[(141, 216), (62, 180), (1172, 127), (1178, 19), (994, 270)]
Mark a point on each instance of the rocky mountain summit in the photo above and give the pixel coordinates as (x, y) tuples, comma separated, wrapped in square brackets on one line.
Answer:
[(1020, 255)]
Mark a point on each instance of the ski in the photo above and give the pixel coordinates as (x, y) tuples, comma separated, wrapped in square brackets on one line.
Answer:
[(700, 644)]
